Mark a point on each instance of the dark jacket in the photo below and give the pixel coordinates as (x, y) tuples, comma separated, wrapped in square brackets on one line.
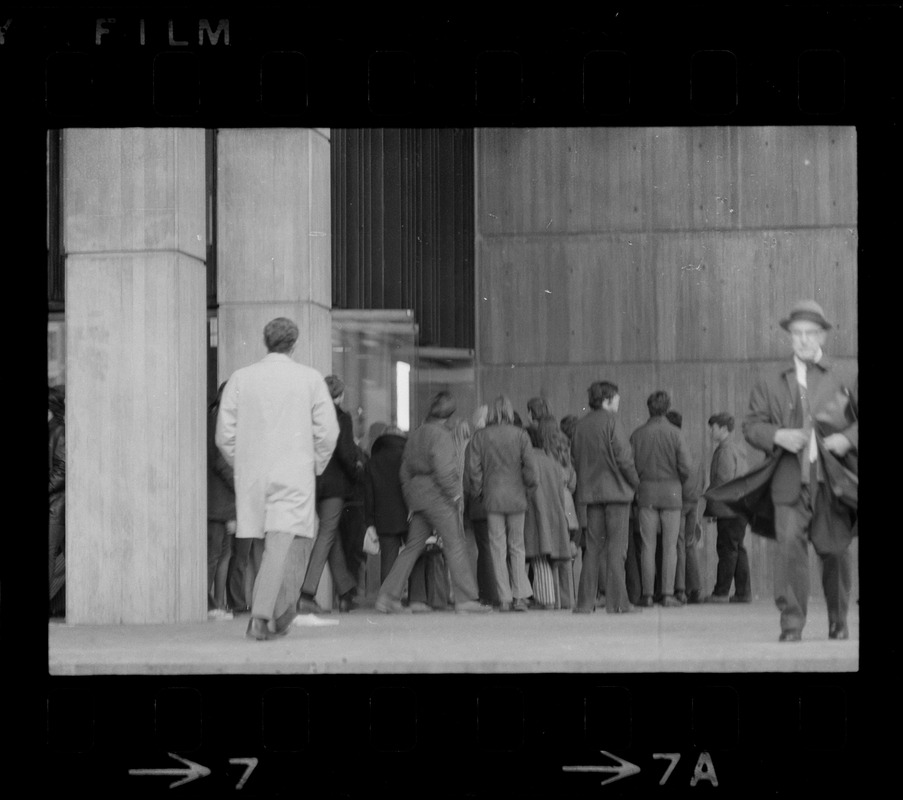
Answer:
[(545, 523), (384, 505), (774, 404), (473, 505), (663, 463), (429, 467), (220, 477), (57, 453), (603, 460), (342, 470), (501, 468), (727, 463)]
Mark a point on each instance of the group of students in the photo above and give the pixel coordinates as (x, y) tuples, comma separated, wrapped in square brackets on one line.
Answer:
[(489, 514)]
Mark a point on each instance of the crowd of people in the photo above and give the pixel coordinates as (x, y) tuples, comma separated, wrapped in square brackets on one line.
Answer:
[(496, 513)]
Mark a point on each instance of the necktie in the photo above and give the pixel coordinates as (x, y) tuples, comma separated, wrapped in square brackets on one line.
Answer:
[(808, 456)]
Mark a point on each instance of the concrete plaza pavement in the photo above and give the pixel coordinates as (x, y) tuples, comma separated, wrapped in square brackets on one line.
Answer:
[(698, 638)]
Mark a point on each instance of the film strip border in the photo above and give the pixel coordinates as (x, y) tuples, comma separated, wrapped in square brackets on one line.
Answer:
[(816, 64), (458, 737)]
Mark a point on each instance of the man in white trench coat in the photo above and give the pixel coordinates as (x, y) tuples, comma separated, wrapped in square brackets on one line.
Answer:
[(277, 427)]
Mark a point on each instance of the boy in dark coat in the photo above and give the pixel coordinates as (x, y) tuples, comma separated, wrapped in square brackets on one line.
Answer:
[(384, 507)]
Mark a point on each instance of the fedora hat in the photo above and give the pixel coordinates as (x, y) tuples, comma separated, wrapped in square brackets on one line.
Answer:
[(807, 310)]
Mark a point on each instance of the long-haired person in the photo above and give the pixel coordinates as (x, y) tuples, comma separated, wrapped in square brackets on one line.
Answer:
[(502, 471), (220, 517), (546, 539), (475, 516)]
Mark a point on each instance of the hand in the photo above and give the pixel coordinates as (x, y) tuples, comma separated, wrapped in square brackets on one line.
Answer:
[(231, 526), (371, 531), (792, 439), (838, 444)]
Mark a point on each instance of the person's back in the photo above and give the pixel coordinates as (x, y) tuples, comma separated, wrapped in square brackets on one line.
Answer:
[(662, 463), (429, 471), (602, 459), (386, 509), (503, 451)]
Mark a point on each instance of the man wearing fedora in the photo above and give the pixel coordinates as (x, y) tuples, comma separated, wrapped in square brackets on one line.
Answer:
[(793, 417)]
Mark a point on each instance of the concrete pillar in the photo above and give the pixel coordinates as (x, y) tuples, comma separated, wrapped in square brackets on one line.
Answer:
[(135, 239), (273, 246)]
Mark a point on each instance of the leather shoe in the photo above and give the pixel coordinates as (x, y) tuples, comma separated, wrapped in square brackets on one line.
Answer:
[(419, 608), (472, 607), (284, 621), (682, 596), (258, 629), (693, 599), (646, 601), (668, 601), (306, 606), (838, 630), (387, 605), (628, 609), (790, 636), (717, 598), (740, 598), (346, 604), (519, 605)]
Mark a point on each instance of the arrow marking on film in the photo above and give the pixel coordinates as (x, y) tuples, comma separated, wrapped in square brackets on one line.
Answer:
[(193, 771), (624, 769)]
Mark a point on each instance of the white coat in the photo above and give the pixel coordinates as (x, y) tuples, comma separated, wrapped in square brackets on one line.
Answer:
[(277, 427)]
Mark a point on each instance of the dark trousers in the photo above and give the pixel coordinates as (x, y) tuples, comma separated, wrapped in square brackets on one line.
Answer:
[(486, 583), (352, 529), (446, 521), (791, 572), (733, 562), (632, 569), (608, 526), (687, 577), (427, 584), (243, 568), (327, 548), (219, 554), (389, 545)]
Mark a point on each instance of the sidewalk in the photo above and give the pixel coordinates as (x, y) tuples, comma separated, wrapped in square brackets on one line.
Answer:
[(701, 638)]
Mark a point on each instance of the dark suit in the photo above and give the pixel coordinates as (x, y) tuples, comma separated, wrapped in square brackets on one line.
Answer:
[(606, 480), (665, 469), (807, 510), (733, 561)]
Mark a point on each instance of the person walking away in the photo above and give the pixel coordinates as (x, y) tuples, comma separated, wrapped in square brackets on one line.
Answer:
[(220, 518), (277, 428)]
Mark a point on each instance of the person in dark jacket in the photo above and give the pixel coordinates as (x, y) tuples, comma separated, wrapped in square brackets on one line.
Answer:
[(384, 507), (606, 480), (663, 463), (334, 486), (686, 578), (804, 415), (56, 419), (475, 514), (431, 486), (733, 562), (220, 518)]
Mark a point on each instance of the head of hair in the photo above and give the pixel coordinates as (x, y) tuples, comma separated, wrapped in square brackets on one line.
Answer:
[(658, 403), (600, 392), (569, 425), (462, 432), (554, 442), (675, 418), (280, 335), (500, 412), (442, 405), (722, 419), (478, 420), (535, 436), (335, 385), (538, 408)]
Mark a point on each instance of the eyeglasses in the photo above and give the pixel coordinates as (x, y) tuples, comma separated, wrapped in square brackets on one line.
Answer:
[(807, 333)]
